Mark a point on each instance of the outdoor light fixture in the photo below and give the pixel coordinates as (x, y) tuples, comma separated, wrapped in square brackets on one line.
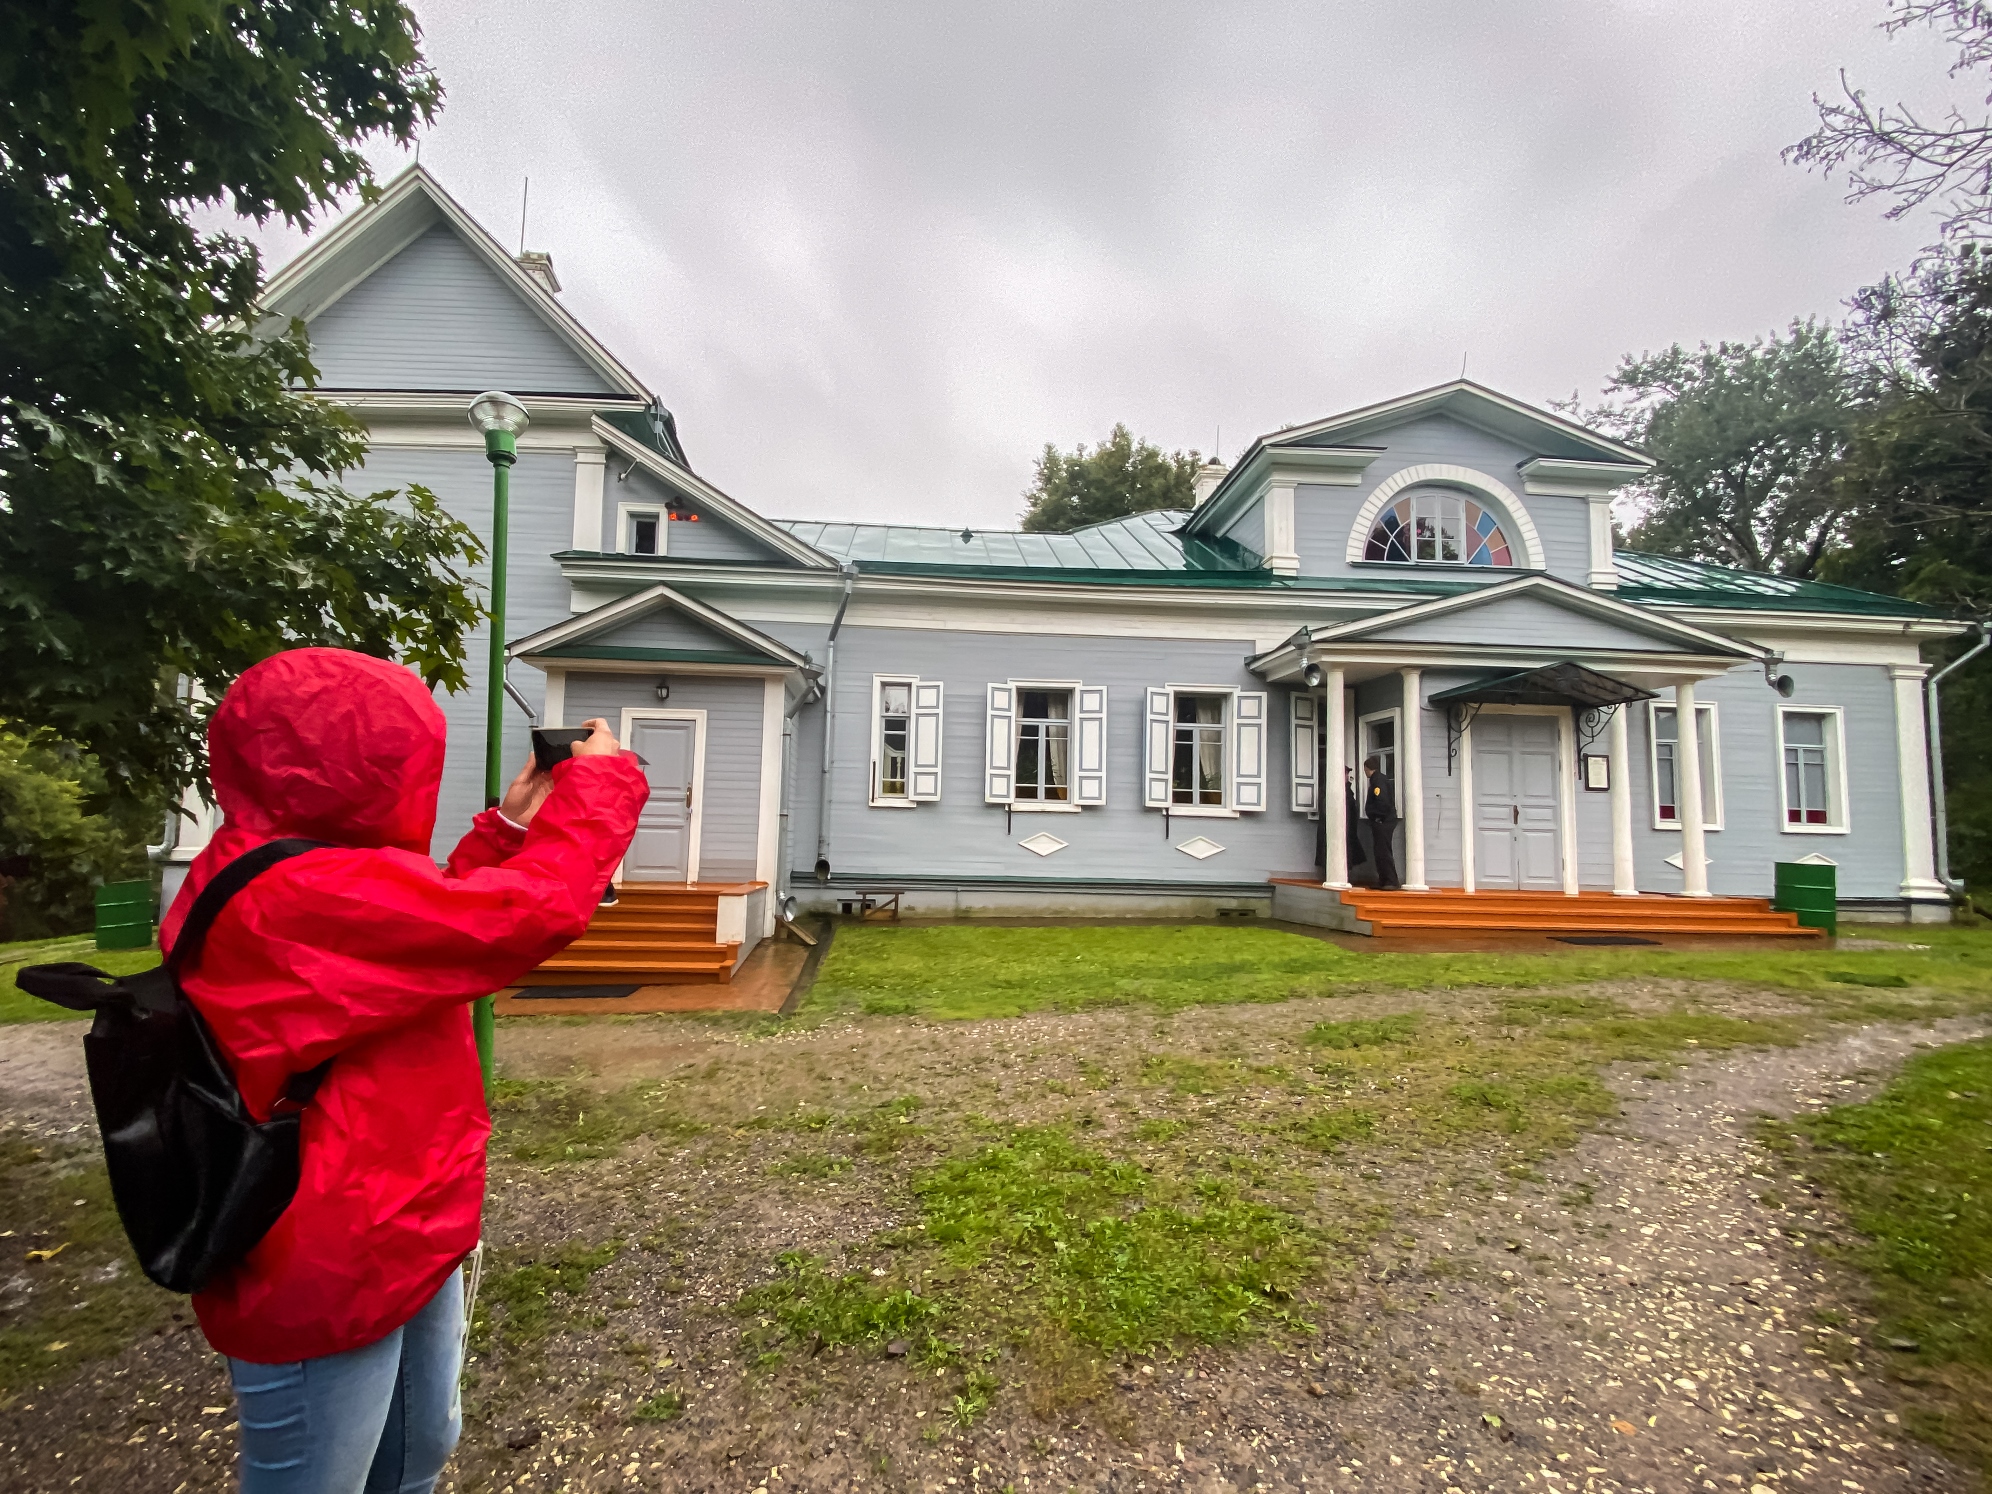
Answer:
[(1312, 677), (501, 418), (663, 690)]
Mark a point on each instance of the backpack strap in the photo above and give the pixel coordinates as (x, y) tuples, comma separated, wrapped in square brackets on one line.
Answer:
[(230, 880)]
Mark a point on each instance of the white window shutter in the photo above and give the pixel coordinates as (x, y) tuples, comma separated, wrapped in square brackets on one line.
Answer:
[(925, 749), (1155, 779), (1089, 772), (1248, 756), (1306, 751), (1001, 776)]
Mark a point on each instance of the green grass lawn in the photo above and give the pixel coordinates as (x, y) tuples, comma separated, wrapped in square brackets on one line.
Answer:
[(970, 971), (1912, 1168), (17, 1005)]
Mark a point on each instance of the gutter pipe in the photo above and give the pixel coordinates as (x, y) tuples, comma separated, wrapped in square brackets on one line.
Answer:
[(1955, 885), (850, 569), (812, 690)]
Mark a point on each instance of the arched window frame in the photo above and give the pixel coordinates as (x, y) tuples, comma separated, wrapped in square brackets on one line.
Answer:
[(1523, 541)]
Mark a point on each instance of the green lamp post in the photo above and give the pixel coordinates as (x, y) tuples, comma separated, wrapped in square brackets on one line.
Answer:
[(500, 418)]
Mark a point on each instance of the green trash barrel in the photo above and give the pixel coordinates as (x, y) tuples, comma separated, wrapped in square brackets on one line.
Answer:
[(1811, 891), (124, 915)]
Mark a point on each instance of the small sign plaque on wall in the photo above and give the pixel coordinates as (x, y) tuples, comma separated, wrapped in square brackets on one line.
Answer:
[(1597, 771)]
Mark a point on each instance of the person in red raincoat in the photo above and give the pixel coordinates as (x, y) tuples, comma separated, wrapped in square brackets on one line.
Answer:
[(343, 1326)]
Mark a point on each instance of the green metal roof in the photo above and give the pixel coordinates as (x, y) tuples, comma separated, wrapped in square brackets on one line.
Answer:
[(1151, 550), (1691, 583)]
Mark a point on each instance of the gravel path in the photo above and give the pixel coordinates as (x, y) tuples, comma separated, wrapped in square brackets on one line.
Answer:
[(1636, 1320)]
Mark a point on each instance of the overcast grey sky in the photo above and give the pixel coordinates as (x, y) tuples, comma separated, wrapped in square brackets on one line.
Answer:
[(875, 256)]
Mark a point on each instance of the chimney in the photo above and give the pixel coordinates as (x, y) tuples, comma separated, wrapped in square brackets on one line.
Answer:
[(1209, 475), (540, 267)]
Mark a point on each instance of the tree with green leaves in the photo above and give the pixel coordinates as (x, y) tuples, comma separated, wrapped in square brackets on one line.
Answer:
[(1120, 476), (169, 503), (1744, 438)]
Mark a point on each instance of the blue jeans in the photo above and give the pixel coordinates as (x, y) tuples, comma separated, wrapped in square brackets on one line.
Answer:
[(382, 1419)]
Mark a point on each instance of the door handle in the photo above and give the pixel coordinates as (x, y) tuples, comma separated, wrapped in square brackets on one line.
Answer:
[(1516, 808), (688, 796)]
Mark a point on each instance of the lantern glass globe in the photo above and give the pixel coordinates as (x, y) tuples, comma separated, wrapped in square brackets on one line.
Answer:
[(498, 411)]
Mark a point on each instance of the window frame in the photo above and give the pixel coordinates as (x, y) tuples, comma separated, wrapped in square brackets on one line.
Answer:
[(1234, 725), (1069, 804), (879, 798), (1392, 714), (1707, 715), (1227, 745), (626, 516), (1839, 816), (1435, 498)]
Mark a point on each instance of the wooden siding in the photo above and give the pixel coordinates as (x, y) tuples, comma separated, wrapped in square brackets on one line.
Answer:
[(436, 316), (1526, 621), (730, 817)]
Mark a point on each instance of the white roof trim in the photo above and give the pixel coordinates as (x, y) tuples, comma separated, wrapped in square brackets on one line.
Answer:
[(1575, 597), (694, 486), (1409, 404), (656, 598), (353, 248)]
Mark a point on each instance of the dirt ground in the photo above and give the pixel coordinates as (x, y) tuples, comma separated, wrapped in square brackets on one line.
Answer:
[(1636, 1312)]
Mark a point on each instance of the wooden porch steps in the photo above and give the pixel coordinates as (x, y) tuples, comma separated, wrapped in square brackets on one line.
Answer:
[(657, 934), (1451, 908)]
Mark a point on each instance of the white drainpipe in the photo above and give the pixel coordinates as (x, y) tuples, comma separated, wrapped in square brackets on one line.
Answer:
[(1936, 748), (830, 724)]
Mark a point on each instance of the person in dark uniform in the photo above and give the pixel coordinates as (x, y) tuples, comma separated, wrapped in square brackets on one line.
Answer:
[(1380, 809)]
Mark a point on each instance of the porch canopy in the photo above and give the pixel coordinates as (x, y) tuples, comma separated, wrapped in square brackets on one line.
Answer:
[(1564, 684)]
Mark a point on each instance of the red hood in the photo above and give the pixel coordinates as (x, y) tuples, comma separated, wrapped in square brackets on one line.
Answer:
[(328, 745)]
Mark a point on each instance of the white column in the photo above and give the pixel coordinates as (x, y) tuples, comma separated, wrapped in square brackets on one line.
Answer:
[(1282, 558), (1688, 779), (1604, 574), (589, 464), (1334, 796), (1466, 808), (1912, 756), (1625, 881), (1566, 798), (1411, 782)]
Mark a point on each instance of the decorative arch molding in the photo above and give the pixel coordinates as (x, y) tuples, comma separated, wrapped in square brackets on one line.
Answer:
[(1445, 473)]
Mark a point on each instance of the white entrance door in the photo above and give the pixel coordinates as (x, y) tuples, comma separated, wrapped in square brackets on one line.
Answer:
[(666, 846), (1515, 803)]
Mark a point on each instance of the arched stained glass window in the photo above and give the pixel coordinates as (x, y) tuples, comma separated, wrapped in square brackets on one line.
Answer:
[(1435, 527)]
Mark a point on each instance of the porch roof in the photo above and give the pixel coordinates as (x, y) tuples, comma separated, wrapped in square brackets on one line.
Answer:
[(1566, 683)]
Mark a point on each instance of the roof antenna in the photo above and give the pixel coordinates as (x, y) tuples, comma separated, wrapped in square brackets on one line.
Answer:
[(525, 196), (1217, 452), (1462, 364)]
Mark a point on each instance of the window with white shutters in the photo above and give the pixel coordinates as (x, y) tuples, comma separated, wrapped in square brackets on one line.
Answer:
[(999, 757), (906, 741), (1206, 750), (1047, 744)]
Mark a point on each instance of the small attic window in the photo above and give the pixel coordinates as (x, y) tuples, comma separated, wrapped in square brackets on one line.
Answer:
[(643, 533), (1432, 526)]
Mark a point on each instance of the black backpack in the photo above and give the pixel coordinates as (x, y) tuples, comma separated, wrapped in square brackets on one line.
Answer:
[(197, 1180)]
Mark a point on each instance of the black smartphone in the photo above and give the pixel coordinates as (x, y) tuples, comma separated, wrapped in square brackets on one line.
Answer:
[(555, 744)]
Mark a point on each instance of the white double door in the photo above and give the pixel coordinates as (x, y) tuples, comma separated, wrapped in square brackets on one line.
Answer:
[(1516, 811)]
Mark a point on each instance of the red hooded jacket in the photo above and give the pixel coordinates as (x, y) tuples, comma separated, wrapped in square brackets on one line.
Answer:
[(366, 954)]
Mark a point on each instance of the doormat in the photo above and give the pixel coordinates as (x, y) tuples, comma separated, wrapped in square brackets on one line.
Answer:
[(573, 993), (1600, 939)]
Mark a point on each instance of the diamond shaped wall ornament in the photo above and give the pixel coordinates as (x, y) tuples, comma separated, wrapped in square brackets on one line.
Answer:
[(1042, 844), (1678, 864), (1200, 846)]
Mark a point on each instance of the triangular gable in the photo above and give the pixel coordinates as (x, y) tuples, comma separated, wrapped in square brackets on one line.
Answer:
[(707, 499), (374, 238), (1516, 611), (1349, 441), (658, 625)]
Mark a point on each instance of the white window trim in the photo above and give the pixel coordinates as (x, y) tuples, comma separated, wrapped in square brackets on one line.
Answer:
[(1707, 716), (1395, 715), (1229, 809), (628, 511), (1045, 806), (1836, 772), (879, 682)]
